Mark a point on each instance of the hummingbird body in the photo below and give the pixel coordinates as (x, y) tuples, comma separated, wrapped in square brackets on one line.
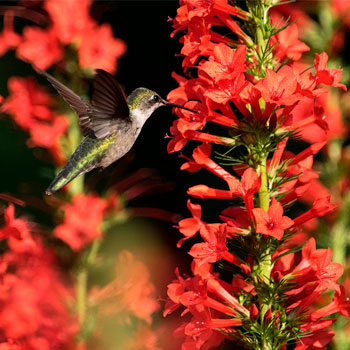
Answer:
[(110, 124)]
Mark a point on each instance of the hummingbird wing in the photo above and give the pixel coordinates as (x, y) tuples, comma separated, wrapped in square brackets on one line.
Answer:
[(110, 109), (107, 110), (81, 107)]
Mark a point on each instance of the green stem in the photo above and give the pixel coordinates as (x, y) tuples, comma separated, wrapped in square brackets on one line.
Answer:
[(82, 281), (81, 291), (264, 199), (93, 252), (265, 263)]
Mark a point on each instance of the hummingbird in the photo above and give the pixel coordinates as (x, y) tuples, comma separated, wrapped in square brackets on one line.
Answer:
[(110, 123)]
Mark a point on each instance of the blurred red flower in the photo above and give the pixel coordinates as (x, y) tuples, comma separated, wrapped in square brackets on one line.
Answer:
[(82, 221), (29, 104), (39, 46), (99, 49), (8, 38), (130, 293), (66, 29), (17, 232), (33, 296)]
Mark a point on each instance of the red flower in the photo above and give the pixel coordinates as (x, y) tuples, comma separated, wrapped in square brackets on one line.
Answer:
[(287, 44), (250, 185), (197, 42), (8, 38), (272, 223), (190, 226), (29, 104), (17, 232), (279, 88), (330, 76), (225, 63), (214, 248), (66, 29), (321, 207), (99, 49), (40, 47), (261, 99), (201, 157), (226, 68), (130, 293), (33, 297), (82, 221)]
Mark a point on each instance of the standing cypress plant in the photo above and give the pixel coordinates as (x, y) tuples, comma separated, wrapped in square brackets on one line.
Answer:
[(257, 279)]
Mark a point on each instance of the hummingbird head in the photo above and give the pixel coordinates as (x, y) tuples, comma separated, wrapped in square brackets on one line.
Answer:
[(143, 102)]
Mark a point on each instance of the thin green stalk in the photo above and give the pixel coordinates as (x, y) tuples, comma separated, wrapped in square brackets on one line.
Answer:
[(82, 281), (265, 263), (264, 199), (81, 293)]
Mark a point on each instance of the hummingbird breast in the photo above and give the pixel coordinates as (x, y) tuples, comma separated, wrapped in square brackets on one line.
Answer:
[(123, 141)]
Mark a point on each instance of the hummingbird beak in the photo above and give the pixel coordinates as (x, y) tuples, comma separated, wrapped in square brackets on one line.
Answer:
[(178, 106)]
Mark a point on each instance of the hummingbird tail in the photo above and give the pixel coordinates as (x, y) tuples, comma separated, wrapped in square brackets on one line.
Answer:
[(85, 158), (62, 178)]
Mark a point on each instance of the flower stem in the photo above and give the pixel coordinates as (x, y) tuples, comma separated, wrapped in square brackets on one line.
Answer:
[(81, 291), (264, 199), (265, 263)]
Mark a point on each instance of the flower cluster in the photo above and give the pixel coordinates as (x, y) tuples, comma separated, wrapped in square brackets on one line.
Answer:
[(82, 221), (257, 278), (332, 19), (34, 296), (37, 300), (95, 44), (30, 106)]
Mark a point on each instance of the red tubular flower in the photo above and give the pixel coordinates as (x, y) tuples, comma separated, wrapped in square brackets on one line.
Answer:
[(29, 104), (40, 47), (190, 226), (287, 44), (82, 221), (262, 97), (320, 207), (214, 249), (326, 76), (226, 70), (8, 38), (272, 223), (130, 293), (33, 296), (65, 29), (99, 49), (17, 232), (210, 305)]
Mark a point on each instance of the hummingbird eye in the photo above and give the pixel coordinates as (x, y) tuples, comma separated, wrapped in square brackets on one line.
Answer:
[(155, 98)]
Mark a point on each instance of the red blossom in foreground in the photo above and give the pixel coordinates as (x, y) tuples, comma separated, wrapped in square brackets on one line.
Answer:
[(17, 232), (33, 295), (82, 221)]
